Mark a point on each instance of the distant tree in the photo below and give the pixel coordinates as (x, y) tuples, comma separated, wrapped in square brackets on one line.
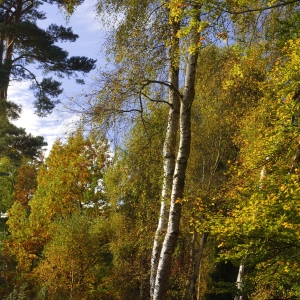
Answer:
[(15, 143), (18, 183), (77, 262), (26, 182), (261, 227), (69, 183)]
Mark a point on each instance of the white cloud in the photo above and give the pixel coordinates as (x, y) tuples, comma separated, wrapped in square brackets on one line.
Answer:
[(55, 126)]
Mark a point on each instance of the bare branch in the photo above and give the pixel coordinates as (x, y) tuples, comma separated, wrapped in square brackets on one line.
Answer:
[(159, 101), (117, 110), (165, 83)]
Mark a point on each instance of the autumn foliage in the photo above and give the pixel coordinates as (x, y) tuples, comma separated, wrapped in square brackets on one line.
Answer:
[(81, 222)]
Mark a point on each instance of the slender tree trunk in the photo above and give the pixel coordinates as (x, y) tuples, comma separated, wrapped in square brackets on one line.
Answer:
[(239, 284), (239, 281), (164, 265), (169, 156), (195, 263), (192, 256)]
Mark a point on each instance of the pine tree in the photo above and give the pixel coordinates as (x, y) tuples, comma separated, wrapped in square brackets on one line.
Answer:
[(23, 44)]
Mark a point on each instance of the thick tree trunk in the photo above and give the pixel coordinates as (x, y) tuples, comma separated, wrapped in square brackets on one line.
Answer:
[(164, 265), (6, 66), (13, 17), (169, 157)]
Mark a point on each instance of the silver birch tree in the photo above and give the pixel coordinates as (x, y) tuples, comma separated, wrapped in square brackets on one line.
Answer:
[(168, 154), (170, 240)]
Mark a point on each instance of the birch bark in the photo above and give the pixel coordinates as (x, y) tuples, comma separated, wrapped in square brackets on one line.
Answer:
[(168, 153), (170, 240), (239, 281)]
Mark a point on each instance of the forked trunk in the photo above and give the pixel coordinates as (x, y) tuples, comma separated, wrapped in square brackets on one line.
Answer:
[(170, 240)]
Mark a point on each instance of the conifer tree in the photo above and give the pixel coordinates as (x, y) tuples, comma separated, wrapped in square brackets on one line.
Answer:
[(24, 44)]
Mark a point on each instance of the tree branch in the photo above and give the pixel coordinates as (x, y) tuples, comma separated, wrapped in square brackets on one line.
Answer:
[(168, 84), (159, 101), (260, 9), (33, 77)]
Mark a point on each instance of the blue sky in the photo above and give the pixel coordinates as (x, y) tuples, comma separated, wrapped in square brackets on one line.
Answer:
[(56, 125)]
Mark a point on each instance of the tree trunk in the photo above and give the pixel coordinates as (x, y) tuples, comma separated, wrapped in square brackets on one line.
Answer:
[(239, 281), (13, 17), (169, 156), (239, 285), (164, 265), (195, 263)]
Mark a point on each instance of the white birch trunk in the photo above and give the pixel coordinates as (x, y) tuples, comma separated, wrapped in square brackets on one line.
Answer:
[(239, 284), (239, 281), (169, 160), (164, 265)]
